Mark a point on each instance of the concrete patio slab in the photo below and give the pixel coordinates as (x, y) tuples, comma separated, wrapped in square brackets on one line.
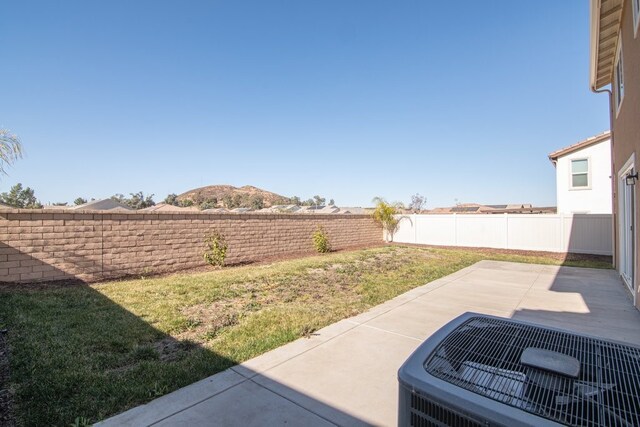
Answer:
[(410, 320), (169, 404), (349, 373), (275, 357), (502, 266), (247, 404), (507, 277), (346, 374)]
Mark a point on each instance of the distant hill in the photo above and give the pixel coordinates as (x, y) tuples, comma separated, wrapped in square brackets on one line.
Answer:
[(247, 196)]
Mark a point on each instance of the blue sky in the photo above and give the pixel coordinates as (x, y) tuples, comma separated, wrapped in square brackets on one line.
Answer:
[(346, 99)]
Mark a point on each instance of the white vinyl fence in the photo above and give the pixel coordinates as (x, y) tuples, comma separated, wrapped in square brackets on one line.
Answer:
[(577, 233)]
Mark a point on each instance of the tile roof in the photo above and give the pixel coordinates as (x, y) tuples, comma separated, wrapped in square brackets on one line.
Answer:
[(580, 145)]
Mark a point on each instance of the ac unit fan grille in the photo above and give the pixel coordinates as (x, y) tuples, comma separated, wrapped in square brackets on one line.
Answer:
[(427, 413), (483, 355)]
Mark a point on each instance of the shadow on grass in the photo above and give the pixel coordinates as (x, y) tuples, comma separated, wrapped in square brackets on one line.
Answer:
[(75, 353)]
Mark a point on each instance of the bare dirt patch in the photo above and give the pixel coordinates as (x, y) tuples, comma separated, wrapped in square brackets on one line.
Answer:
[(170, 349), (211, 318)]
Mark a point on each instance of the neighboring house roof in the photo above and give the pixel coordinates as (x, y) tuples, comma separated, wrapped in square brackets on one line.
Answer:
[(102, 205), (57, 207), (353, 210), (464, 209), (461, 208), (281, 209), (606, 16), (4, 206), (476, 208), (579, 146), (165, 207), (519, 206), (306, 209), (215, 210), (328, 210), (512, 206)]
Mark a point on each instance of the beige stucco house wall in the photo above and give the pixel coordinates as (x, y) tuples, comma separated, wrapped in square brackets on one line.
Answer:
[(614, 69)]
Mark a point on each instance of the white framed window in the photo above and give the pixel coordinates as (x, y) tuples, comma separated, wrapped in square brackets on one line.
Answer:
[(618, 77), (636, 16), (580, 174)]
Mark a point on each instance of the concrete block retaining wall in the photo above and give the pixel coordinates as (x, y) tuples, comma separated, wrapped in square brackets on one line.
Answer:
[(49, 245)]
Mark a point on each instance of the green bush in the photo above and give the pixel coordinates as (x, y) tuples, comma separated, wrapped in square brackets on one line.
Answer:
[(216, 251), (171, 199), (321, 240), (211, 203)]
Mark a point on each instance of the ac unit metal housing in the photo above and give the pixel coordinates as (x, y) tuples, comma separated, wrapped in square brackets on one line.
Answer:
[(483, 370)]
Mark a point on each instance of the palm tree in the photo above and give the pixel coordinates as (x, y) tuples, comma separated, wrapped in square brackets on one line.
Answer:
[(385, 215), (10, 149)]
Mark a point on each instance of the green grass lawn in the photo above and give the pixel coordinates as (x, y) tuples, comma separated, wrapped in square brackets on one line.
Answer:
[(96, 350)]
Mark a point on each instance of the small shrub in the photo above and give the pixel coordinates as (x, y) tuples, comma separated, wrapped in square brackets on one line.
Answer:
[(321, 241), (216, 251)]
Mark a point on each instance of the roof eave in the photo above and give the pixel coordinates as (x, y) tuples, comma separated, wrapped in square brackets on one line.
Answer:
[(605, 19), (597, 139), (593, 48)]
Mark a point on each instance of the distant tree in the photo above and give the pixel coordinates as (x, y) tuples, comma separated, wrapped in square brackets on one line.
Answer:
[(136, 201), (197, 198), (209, 203), (332, 202), (281, 201), (10, 149), (295, 200), (139, 201), (118, 197), (171, 199), (256, 203), (319, 200), (80, 201), (59, 204), (308, 202), (385, 215), (19, 197), (227, 201), (185, 203), (417, 202)]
